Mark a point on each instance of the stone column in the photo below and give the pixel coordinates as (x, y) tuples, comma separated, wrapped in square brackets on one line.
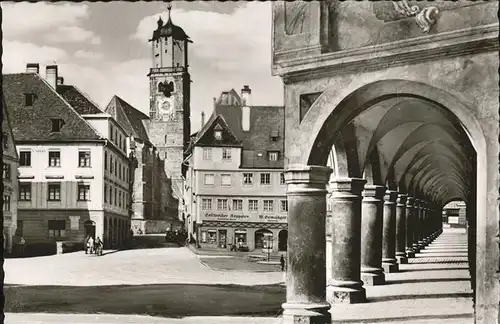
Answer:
[(410, 252), (306, 272), (421, 216), (389, 262), (416, 225), (345, 285), (401, 229), (372, 273)]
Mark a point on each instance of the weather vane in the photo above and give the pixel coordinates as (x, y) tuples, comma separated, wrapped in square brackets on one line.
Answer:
[(169, 6)]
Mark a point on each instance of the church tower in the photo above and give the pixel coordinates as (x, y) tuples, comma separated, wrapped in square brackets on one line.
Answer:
[(170, 82)]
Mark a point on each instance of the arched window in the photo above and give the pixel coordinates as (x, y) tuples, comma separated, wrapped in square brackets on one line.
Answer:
[(166, 138)]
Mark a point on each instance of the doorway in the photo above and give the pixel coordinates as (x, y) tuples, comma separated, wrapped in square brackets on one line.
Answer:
[(89, 228), (282, 240)]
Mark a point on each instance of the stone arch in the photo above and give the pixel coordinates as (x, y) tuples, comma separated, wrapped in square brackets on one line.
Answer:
[(338, 106)]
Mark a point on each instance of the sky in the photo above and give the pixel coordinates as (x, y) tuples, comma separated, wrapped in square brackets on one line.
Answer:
[(103, 49)]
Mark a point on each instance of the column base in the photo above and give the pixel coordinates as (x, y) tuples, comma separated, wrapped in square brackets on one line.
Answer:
[(372, 279), (402, 260), (306, 313), (344, 295), (410, 253), (390, 267)]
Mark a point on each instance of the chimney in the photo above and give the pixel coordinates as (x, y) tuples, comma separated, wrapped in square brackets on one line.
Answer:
[(202, 119), (60, 80), (245, 110), (33, 68), (51, 75), (246, 96)]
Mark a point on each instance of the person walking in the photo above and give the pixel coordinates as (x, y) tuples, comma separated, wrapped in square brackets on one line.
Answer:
[(22, 245), (282, 262)]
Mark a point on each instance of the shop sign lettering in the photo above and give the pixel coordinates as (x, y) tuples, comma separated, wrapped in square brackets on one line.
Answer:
[(245, 217)]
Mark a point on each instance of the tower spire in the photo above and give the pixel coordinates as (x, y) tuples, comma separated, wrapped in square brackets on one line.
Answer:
[(169, 7)]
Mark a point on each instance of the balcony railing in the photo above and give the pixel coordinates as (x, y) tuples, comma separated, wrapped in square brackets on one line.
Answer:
[(167, 69)]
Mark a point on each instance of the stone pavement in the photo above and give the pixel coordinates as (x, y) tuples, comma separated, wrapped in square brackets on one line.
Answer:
[(434, 288)]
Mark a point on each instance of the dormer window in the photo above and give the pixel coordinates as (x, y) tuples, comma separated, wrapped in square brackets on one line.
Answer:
[(273, 155), (57, 124), (29, 99), (218, 135), (274, 135)]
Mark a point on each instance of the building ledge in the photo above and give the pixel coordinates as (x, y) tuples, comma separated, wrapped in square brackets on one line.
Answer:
[(84, 177), (54, 177), (26, 177)]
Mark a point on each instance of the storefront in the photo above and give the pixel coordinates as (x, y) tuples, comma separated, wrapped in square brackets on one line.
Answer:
[(257, 232)]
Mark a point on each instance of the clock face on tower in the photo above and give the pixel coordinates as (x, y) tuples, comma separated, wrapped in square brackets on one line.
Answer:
[(166, 108)]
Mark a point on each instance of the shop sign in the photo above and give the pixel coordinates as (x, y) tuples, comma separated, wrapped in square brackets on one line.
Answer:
[(258, 218)]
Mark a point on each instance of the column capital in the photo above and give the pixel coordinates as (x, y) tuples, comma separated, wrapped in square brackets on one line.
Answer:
[(373, 192), (307, 179), (347, 187), (401, 200), (390, 197)]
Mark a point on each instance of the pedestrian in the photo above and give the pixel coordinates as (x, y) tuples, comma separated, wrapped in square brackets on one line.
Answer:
[(282, 262), (22, 244)]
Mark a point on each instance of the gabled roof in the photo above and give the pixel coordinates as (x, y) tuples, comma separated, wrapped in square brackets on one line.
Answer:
[(266, 123), (34, 123), (128, 117), (78, 100), (206, 135)]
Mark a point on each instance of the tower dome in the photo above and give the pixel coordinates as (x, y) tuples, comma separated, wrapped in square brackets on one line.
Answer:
[(169, 30)]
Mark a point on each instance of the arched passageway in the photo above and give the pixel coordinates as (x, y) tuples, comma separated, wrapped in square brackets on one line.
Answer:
[(282, 240), (395, 159), (263, 238)]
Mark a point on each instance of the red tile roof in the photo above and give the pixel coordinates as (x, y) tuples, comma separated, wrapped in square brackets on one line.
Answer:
[(34, 123)]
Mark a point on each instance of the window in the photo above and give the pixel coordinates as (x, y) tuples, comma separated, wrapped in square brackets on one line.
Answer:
[(110, 195), (265, 178), (54, 159), (225, 180), (105, 193), (253, 205), (111, 133), (268, 205), (282, 178), (247, 178), (6, 202), (5, 141), (105, 160), (111, 164), (116, 193), (29, 99), (57, 228), (166, 139), (83, 192), (84, 159), (54, 192), (57, 124), (25, 158), (273, 156), (218, 135), (209, 179), (120, 198), (222, 204), (116, 167), (25, 191), (226, 154), (206, 203), (6, 171), (237, 204), (284, 206), (120, 171), (207, 153)]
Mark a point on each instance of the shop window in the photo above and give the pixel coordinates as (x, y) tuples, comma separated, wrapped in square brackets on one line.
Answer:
[(204, 237), (207, 153), (268, 205), (284, 206), (253, 205), (55, 159), (237, 204), (222, 204), (240, 237), (209, 179), (247, 178), (225, 180), (206, 203), (265, 178), (57, 228), (212, 237)]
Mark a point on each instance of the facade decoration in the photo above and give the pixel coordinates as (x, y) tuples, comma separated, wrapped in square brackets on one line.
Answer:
[(425, 18)]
